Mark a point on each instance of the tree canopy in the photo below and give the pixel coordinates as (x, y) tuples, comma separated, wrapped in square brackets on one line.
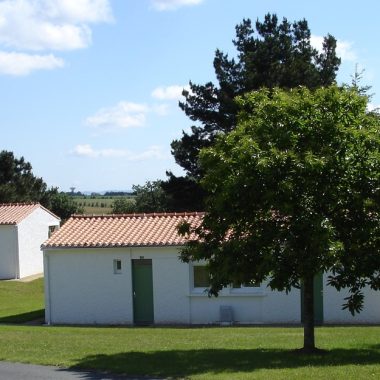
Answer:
[(273, 54), (294, 191), (19, 184), (147, 198)]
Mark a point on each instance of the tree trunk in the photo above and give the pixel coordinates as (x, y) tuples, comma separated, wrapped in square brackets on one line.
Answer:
[(308, 304)]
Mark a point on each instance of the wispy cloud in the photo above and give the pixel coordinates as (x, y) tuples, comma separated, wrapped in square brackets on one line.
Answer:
[(153, 152), (24, 64), (344, 49), (169, 93), (122, 115), (171, 5), (49, 25)]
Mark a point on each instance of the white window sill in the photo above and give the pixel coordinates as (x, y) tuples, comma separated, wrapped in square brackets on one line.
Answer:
[(232, 294)]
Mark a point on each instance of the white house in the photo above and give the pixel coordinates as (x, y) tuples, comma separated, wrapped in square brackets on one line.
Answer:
[(124, 269), (23, 228)]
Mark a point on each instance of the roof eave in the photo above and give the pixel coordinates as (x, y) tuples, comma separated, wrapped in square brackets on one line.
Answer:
[(53, 248)]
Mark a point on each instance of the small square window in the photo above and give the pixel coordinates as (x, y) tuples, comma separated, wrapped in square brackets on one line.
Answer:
[(117, 266)]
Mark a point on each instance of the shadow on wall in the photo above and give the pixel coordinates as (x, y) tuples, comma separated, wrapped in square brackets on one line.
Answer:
[(184, 363)]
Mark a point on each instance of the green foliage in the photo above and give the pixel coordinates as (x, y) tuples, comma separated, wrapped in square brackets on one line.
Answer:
[(18, 184), (63, 205), (124, 206), (274, 54), (294, 191), (183, 193), (150, 197)]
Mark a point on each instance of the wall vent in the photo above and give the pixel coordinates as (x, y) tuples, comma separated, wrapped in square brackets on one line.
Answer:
[(226, 315)]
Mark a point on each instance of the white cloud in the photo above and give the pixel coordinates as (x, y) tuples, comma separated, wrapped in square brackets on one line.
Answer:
[(373, 107), (170, 5), (50, 24), (45, 25), (153, 152), (122, 115), (344, 49), (83, 11), (169, 92), (24, 64)]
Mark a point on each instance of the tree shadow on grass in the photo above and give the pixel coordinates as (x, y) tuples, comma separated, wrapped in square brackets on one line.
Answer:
[(185, 363)]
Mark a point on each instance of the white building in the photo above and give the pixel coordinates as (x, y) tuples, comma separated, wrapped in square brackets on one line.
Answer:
[(23, 228), (124, 269)]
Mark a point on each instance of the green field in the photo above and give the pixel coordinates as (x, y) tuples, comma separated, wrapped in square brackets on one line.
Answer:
[(98, 204), (183, 352)]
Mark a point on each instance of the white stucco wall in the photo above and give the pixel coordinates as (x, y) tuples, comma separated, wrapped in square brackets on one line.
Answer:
[(249, 306), (170, 284), (82, 288), (32, 232), (8, 252), (332, 306)]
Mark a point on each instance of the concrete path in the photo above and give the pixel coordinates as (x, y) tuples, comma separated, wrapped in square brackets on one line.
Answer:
[(17, 371), (31, 278)]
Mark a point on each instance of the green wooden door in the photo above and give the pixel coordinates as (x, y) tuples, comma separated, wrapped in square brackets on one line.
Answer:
[(318, 300), (142, 282)]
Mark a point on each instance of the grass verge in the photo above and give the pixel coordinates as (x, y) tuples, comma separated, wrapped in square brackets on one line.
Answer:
[(198, 353), (21, 301)]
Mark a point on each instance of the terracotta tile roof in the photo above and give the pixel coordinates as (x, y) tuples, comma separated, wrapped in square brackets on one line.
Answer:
[(131, 230), (14, 213)]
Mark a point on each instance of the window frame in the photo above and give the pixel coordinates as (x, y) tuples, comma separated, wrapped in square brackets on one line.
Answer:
[(117, 266), (197, 289), (242, 289)]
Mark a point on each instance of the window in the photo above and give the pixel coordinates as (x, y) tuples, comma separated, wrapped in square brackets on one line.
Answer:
[(52, 229), (251, 284), (117, 266), (250, 287), (201, 277)]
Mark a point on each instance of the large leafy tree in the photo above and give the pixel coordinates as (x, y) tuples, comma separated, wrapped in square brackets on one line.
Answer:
[(294, 191), (19, 184), (273, 54)]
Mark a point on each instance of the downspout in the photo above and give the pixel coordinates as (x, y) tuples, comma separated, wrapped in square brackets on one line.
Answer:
[(47, 289), (17, 255), (131, 286)]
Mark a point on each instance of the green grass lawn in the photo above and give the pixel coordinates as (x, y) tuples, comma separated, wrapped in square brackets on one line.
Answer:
[(199, 353), (192, 353), (21, 301)]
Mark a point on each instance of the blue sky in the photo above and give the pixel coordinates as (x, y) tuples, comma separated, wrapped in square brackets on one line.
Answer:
[(90, 88)]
